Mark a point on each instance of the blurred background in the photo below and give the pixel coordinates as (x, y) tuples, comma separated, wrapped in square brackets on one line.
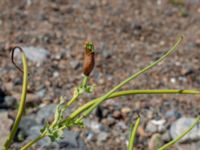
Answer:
[(128, 35)]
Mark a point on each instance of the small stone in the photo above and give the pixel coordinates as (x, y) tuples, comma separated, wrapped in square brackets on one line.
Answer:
[(125, 111), (166, 136), (172, 115), (154, 126), (117, 114), (41, 93), (109, 121), (181, 125), (107, 54), (151, 127), (75, 64), (155, 142), (102, 136), (94, 126), (89, 135), (121, 125)]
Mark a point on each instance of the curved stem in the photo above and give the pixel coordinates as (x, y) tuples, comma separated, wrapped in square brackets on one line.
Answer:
[(130, 92), (117, 94), (142, 71), (181, 136), (133, 134), (21, 106)]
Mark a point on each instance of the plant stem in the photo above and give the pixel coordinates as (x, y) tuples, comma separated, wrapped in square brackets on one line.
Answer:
[(130, 92), (76, 94), (28, 145), (181, 136), (125, 93), (21, 106), (142, 71), (85, 80), (133, 134)]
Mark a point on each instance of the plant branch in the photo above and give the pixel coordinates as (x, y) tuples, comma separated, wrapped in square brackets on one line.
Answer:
[(22, 102), (130, 92)]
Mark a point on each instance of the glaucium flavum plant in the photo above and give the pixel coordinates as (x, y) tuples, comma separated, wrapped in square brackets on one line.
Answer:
[(55, 129)]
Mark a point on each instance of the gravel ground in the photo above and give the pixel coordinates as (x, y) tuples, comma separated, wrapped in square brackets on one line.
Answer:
[(127, 36)]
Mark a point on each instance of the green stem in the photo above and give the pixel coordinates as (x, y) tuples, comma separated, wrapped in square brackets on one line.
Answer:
[(76, 93), (71, 101), (21, 106), (28, 145), (85, 80), (123, 93), (130, 92), (133, 134), (181, 136), (142, 71)]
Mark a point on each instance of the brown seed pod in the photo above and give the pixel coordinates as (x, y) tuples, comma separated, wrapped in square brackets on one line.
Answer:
[(89, 59)]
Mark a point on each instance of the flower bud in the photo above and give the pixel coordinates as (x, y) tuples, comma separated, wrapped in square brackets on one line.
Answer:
[(89, 59)]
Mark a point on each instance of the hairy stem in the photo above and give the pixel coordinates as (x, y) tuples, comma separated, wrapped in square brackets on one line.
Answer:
[(21, 106)]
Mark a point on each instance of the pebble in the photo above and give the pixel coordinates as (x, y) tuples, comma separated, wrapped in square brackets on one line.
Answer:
[(154, 126), (151, 127), (155, 142), (94, 126), (166, 136), (117, 114), (125, 111), (75, 64), (181, 125), (109, 121), (102, 136)]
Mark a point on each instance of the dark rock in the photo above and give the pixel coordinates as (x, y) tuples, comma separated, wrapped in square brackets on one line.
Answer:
[(2, 96), (99, 113)]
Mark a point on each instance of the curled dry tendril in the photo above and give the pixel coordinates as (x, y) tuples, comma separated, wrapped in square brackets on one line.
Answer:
[(12, 56)]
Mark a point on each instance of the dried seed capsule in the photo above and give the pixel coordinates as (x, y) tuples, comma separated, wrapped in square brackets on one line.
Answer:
[(89, 59)]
